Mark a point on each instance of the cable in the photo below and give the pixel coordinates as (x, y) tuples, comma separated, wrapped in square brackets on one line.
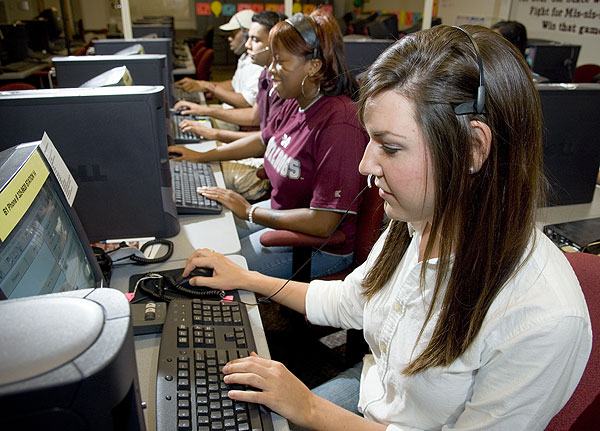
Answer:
[(267, 299)]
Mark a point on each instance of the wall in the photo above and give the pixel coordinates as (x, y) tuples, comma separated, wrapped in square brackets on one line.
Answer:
[(566, 21), (14, 11)]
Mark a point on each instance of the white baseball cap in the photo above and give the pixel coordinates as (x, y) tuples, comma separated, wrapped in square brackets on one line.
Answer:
[(242, 19)]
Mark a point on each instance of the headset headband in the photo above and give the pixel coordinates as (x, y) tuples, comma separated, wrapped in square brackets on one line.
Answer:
[(473, 106), (302, 25)]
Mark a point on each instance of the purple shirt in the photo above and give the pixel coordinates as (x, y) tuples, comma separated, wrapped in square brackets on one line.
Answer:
[(312, 159), (268, 100)]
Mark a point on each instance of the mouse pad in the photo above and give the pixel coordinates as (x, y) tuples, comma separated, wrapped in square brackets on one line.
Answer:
[(141, 296)]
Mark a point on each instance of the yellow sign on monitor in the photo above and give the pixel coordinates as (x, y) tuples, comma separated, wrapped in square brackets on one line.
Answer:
[(17, 196)]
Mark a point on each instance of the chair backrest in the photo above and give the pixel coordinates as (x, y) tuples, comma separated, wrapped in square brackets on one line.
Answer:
[(203, 65), (197, 55), (368, 226), (586, 73), (17, 86), (199, 44), (582, 411)]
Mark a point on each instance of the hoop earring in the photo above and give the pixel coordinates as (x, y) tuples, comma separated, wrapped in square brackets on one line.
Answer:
[(304, 94)]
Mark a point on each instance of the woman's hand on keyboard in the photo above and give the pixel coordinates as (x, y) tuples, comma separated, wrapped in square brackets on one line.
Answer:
[(280, 390), (194, 126), (235, 202), (187, 108)]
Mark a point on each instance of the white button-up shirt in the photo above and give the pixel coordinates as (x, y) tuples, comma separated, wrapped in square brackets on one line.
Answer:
[(245, 79), (519, 371)]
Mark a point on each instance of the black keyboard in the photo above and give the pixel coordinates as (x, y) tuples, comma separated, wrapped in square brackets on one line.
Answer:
[(196, 97), (187, 177), (189, 137), (199, 337)]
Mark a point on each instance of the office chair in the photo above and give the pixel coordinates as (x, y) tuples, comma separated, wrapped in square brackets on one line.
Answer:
[(582, 411), (586, 73), (17, 86), (199, 44), (369, 223), (204, 63)]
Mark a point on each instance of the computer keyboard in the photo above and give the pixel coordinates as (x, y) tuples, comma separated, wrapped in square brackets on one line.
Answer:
[(188, 137), (187, 177), (199, 337), (195, 96)]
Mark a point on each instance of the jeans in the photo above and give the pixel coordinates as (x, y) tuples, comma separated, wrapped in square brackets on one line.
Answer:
[(277, 261)]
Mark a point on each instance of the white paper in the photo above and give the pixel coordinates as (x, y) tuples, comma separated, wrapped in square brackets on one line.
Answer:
[(60, 169)]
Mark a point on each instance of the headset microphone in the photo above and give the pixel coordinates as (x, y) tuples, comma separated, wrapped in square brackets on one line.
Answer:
[(260, 51), (370, 180)]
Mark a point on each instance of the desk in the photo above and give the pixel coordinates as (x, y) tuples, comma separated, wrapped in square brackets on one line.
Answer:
[(147, 346)]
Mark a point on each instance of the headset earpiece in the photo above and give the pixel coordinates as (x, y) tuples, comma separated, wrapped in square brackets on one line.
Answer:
[(473, 106)]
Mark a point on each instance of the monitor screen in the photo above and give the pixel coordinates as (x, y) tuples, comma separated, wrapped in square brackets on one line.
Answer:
[(113, 140), (552, 60), (571, 136), (384, 27), (153, 30), (146, 69), (361, 53), (43, 248)]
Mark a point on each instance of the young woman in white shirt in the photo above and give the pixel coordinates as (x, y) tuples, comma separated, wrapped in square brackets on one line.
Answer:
[(474, 318)]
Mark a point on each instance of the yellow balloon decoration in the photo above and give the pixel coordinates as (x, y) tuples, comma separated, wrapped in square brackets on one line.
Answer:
[(216, 7), (296, 7)]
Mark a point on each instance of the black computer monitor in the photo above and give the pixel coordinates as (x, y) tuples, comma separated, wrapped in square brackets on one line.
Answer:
[(571, 133), (151, 46), (38, 34), (113, 140), (360, 22), (362, 52), (14, 43), (149, 30), (553, 60), (43, 247), (146, 69), (384, 27)]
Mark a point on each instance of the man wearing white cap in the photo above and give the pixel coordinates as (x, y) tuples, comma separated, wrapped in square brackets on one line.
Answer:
[(241, 90)]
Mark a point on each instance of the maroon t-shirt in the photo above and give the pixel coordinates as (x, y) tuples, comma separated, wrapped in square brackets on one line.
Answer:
[(267, 99), (312, 159)]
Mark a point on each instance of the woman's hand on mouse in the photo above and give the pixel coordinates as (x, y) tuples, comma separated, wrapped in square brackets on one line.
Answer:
[(179, 152), (226, 274), (232, 200), (280, 390)]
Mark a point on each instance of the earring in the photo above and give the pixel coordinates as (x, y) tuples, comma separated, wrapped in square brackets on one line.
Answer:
[(471, 169), (304, 94)]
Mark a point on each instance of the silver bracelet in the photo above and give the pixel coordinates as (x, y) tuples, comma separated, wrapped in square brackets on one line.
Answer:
[(251, 212)]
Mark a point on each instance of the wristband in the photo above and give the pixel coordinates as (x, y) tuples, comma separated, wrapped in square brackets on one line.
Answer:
[(251, 212)]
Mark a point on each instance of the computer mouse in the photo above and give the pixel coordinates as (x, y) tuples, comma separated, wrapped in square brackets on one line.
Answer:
[(198, 272), (173, 154), (177, 111)]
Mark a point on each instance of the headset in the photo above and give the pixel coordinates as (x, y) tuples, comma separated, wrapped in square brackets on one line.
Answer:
[(302, 25), (473, 106)]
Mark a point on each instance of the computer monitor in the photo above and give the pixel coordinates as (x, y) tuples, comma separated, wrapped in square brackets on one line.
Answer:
[(571, 133), (43, 247), (360, 22), (362, 52), (553, 60), (14, 41), (113, 140), (384, 27), (146, 69), (151, 46), (38, 34), (150, 30)]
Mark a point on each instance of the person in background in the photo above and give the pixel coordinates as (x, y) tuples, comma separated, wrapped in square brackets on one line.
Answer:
[(241, 175), (311, 148), (240, 91), (514, 32), (474, 318), (267, 101)]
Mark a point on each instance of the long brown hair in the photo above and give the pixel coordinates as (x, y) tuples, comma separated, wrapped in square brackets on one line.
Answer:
[(483, 222), (334, 77)]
